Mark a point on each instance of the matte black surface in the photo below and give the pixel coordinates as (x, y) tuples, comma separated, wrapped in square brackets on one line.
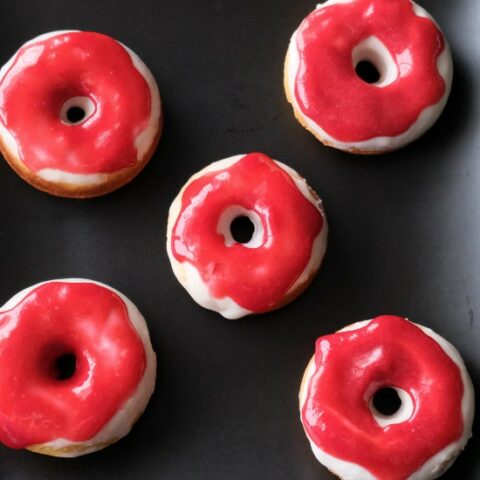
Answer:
[(405, 236)]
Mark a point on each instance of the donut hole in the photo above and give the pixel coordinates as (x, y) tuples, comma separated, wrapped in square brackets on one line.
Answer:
[(373, 63), (64, 366), (241, 226), (75, 114), (391, 405), (76, 110), (367, 71), (387, 401), (242, 229)]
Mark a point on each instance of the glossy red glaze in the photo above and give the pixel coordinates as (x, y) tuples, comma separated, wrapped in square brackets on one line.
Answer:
[(389, 351), (45, 74), (255, 278), (54, 319), (327, 88)]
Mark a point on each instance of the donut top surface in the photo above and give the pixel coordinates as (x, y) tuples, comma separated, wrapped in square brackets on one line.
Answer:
[(329, 91), (255, 278), (56, 319), (53, 69), (351, 365)]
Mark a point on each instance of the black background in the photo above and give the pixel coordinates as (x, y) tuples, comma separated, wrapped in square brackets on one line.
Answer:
[(404, 235)]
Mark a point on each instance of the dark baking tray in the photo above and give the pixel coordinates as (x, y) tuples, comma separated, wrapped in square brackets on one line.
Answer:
[(405, 236)]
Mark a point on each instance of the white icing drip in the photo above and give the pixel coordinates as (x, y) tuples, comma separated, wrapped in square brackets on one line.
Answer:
[(190, 278), (143, 141), (121, 423), (377, 144), (433, 467)]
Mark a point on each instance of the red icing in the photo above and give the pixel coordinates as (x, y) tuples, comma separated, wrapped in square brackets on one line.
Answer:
[(328, 89), (54, 319), (48, 72), (390, 351), (255, 278)]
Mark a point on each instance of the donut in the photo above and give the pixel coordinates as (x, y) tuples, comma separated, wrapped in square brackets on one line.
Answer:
[(80, 113), (77, 367), (368, 76), (352, 436), (268, 268)]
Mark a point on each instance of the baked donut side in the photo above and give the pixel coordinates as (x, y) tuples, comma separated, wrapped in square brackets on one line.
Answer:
[(434, 466), (190, 277), (373, 50), (65, 183), (129, 412)]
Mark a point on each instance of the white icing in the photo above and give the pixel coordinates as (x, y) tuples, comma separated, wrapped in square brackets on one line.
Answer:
[(439, 463), (83, 103), (84, 179), (190, 278), (433, 467), (333, 2), (421, 12), (143, 141), (377, 144), (401, 415), (230, 214), (373, 50), (344, 470), (319, 246), (302, 185), (121, 423)]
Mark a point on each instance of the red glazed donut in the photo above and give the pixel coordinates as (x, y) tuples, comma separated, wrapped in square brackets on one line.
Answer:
[(330, 99), (80, 113), (279, 260), (76, 367), (347, 432)]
